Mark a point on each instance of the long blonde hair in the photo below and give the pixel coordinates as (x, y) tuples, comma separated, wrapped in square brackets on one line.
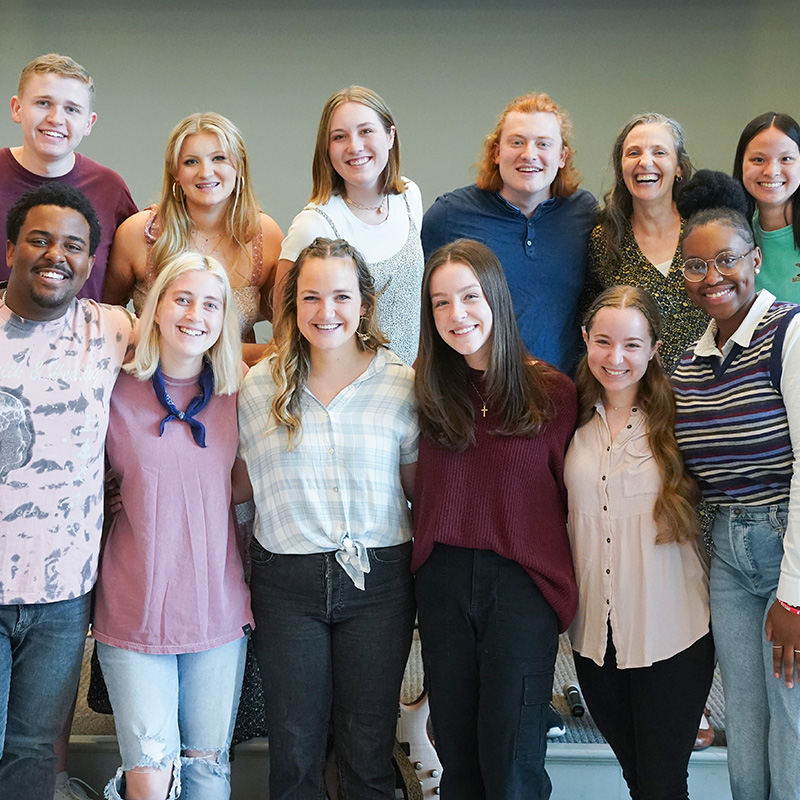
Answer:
[(291, 363), (242, 215), (675, 507), (225, 354)]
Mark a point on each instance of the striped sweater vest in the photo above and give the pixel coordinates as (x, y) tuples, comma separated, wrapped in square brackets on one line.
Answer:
[(731, 421)]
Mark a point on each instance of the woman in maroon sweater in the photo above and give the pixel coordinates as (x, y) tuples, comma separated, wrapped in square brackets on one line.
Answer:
[(494, 573)]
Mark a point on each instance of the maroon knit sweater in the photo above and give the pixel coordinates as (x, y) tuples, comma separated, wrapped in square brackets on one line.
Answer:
[(504, 494)]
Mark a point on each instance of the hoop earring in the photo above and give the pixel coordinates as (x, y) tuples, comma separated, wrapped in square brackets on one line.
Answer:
[(176, 186), (678, 178), (363, 336)]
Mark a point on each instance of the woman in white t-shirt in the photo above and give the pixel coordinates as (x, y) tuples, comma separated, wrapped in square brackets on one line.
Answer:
[(359, 195)]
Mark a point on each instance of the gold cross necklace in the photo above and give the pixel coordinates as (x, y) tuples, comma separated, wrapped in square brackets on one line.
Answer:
[(484, 409)]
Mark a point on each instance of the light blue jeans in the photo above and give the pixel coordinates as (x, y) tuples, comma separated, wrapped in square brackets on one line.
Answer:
[(167, 704), (762, 716), (41, 646)]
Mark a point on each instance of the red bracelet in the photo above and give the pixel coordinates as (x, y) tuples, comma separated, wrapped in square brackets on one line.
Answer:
[(793, 609)]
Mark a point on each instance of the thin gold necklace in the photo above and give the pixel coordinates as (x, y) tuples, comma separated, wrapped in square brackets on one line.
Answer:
[(619, 408), (484, 409), (197, 233)]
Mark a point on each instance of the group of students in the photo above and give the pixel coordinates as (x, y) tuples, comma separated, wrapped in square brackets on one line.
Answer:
[(522, 526)]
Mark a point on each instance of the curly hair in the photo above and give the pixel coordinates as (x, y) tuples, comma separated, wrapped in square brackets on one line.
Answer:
[(54, 194), (291, 362), (567, 178), (712, 196), (674, 510)]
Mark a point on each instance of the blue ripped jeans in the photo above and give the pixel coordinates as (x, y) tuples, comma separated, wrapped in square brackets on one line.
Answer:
[(167, 704), (762, 716)]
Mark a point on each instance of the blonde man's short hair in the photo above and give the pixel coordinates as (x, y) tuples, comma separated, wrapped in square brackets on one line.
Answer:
[(57, 64)]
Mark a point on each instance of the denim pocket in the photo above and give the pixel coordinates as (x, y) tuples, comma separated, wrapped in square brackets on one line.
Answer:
[(391, 556), (536, 695), (779, 522), (755, 546), (259, 556)]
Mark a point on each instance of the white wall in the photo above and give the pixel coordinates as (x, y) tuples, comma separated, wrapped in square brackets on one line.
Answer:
[(446, 69)]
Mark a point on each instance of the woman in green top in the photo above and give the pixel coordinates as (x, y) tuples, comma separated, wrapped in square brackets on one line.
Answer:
[(767, 163)]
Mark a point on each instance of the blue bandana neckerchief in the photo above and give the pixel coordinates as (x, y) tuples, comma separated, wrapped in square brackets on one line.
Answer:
[(196, 404)]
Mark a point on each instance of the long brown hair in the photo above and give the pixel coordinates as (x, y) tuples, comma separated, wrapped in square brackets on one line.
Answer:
[(292, 362), (517, 386), (674, 509), (785, 124), (326, 180)]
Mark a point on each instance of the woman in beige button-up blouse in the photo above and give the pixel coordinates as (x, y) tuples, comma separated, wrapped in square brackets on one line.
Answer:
[(643, 650)]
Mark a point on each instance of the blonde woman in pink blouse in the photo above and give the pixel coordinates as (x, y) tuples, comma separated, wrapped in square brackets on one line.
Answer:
[(643, 650), (172, 610)]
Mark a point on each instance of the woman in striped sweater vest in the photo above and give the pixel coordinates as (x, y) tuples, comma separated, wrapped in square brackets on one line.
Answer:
[(738, 425)]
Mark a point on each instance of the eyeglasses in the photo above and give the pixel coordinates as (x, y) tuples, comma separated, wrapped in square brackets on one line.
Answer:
[(726, 263)]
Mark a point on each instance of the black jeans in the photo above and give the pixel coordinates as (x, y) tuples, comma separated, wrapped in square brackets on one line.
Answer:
[(489, 644), (650, 715), (330, 653)]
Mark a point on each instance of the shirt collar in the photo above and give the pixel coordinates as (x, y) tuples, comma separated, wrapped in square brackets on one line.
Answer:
[(707, 345), (540, 209), (637, 415), (375, 366)]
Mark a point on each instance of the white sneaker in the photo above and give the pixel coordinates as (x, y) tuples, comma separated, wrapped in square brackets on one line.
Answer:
[(555, 724), (71, 788)]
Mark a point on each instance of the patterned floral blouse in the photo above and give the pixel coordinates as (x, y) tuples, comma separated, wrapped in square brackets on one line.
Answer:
[(683, 323)]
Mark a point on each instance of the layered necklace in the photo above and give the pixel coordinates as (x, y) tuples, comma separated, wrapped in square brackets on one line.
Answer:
[(217, 238)]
